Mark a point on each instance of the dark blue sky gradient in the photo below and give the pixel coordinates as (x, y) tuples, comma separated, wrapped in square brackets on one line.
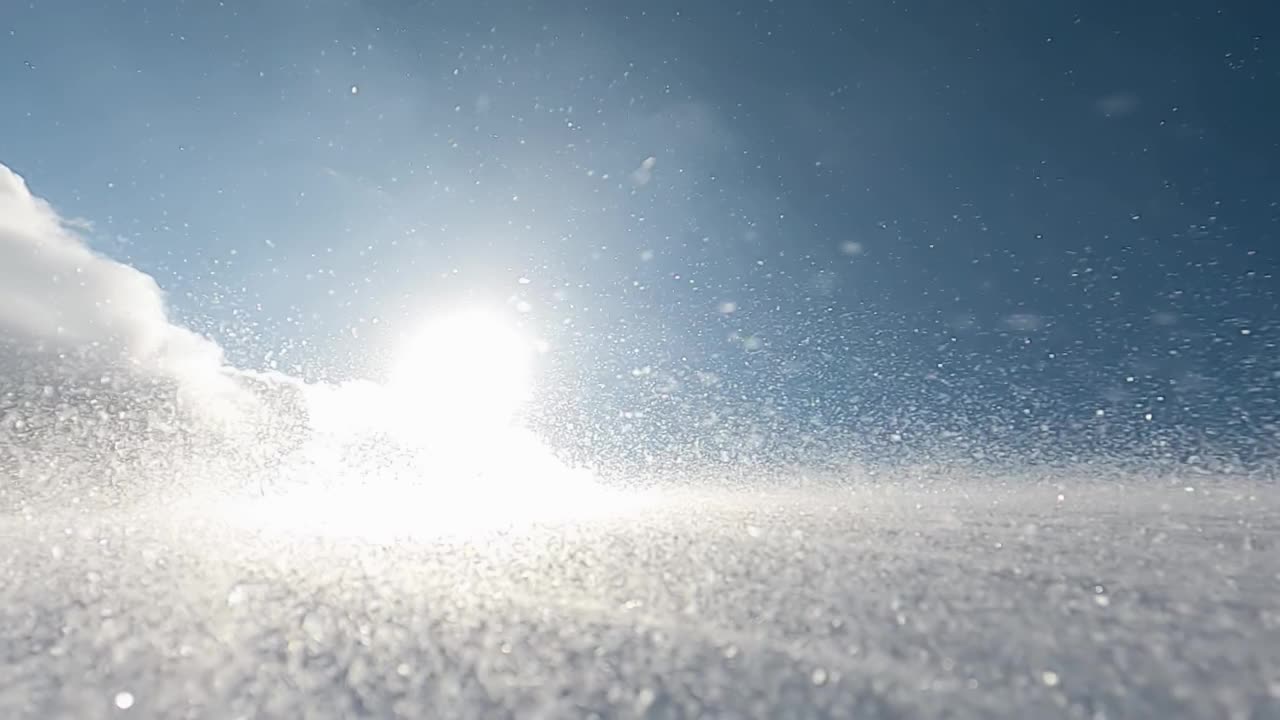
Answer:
[(961, 227)]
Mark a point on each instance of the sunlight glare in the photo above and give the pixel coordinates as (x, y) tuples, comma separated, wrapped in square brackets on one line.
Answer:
[(467, 373), (437, 450), (517, 483)]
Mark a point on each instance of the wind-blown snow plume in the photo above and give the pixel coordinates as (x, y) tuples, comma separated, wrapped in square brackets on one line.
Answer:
[(59, 298), (101, 385), (100, 388)]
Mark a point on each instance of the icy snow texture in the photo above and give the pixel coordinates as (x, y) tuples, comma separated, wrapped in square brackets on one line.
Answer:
[(1047, 600)]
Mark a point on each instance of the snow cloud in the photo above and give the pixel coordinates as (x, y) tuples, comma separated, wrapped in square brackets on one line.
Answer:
[(58, 297), (62, 300)]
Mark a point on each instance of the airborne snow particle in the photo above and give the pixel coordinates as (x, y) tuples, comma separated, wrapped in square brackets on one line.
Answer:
[(851, 248), (124, 700), (1024, 322), (1117, 104), (643, 174)]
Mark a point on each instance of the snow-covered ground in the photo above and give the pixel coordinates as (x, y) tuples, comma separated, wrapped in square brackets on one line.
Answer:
[(1085, 600)]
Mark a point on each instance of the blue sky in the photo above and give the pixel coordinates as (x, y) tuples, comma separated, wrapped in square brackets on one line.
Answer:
[(881, 220)]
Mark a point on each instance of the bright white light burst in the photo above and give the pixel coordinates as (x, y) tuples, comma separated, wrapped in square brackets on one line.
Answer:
[(467, 373), (437, 450)]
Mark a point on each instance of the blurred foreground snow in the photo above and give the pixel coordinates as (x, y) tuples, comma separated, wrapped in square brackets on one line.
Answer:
[(983, 599)]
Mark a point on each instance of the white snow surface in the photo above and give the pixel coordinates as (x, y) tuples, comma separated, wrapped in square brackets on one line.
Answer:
[(1084, 599)]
